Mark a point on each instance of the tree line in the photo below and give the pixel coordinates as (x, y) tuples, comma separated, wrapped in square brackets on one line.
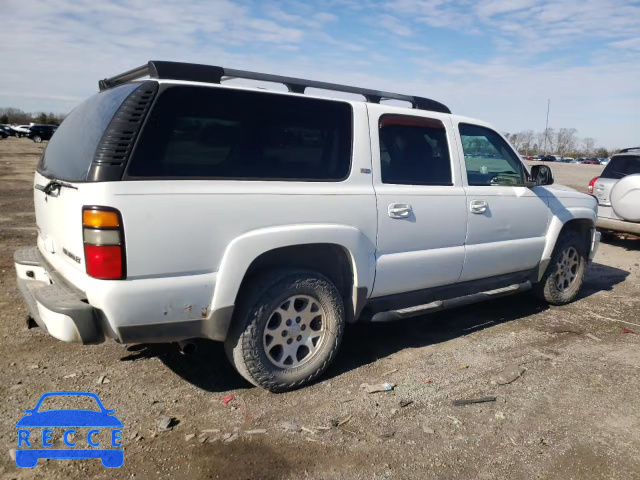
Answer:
[(562, 141), (15, 116)]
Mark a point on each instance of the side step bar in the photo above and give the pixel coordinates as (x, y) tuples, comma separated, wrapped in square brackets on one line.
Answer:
[(440, 305)]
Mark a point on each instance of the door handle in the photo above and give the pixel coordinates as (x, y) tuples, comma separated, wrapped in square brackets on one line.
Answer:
[(478, 206), (399, 210)]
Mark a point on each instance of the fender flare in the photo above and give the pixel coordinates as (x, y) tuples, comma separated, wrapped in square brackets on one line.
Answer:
[(558, 221), (243, 250)]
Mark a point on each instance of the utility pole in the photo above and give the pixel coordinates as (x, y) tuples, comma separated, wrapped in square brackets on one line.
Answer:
[(546, 126)]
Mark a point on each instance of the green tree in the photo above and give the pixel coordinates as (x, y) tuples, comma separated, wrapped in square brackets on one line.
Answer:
[(602, 153), (4, 118)]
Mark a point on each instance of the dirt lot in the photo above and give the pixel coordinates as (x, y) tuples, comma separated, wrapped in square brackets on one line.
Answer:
[(574, 413)]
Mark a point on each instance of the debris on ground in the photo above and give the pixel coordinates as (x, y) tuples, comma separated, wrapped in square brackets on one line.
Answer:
[(133, 435), (508, 375), (405, 403), (256, 431), (627, 330), (211, 430), (166, 423), (344, 421), (500, 415), (189, 436), (71, 375), (592, 337), (324, 428), (378, 387), (230, 437), (426, 380), (12, 454), (102, 379), (228, 398), (389, 372), (469, 401), (462, 367), (308, 430), (428, 430), (291, 427), (565, 329), (454, 420)]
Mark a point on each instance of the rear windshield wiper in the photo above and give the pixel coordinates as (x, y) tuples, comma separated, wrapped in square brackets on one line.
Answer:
[(53, 187)]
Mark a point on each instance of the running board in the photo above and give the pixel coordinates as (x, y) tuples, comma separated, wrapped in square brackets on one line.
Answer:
[(440, 305)]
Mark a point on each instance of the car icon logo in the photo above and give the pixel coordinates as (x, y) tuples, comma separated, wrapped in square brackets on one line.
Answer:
[(99, 430)]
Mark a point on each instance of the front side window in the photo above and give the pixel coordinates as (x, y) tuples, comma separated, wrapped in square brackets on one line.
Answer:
[(488, 158), (200, 132), (414, 151)]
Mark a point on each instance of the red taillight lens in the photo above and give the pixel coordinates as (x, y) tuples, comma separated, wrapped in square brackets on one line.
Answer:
[(103, 243), (104, 262), (591, 184)]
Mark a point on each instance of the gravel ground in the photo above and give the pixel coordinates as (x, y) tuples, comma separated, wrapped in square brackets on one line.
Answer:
[(573, 414)]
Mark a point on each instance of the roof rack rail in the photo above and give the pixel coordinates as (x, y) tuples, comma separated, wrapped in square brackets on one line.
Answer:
[(625, 150), (213, 74)]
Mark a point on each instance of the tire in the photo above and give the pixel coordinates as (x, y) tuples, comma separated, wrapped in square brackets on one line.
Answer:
[(269, 349), (37, 139), (563, 278)]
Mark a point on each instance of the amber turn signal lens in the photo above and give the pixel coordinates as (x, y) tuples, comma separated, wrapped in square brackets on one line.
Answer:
[(99, 218)]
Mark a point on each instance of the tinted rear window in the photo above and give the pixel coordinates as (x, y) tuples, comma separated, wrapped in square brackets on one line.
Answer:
[(622, 166), (70, 151), (200, 132)]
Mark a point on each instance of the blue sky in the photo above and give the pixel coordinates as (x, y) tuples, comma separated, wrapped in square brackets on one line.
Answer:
[(495, 60)]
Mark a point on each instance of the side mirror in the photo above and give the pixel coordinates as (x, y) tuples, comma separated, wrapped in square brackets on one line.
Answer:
[(541, 175)]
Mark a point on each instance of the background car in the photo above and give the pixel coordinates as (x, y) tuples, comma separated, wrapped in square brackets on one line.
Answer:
[(548, 158), (578, 160), (591, 161), (603, 161), (20, 130), (617, 190), (3, 133), (38, 133)]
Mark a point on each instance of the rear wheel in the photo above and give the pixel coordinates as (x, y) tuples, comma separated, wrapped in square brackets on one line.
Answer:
[(563, 278), (287, 331), (37, 139)]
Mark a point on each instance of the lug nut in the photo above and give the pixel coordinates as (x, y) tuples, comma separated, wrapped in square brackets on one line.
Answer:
[(284, 333), (299, 338)]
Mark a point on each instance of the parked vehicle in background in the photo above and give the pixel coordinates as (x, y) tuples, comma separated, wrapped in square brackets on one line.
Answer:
[(603, 161), (617, 190), (567, 159), (7, 130), (3, 134), (178, 207), (579, 160), (548, 158), (38, 133), (20, 130), (591, 161)]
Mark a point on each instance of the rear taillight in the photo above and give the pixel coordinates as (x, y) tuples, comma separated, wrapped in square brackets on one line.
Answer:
[(592, 183), (103, 236)]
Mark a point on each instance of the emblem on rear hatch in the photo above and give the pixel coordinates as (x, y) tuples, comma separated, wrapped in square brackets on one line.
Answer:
[(71, 255)]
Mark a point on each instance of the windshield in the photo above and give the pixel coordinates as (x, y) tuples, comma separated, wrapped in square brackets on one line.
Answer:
[(71, 150), (622, 166)]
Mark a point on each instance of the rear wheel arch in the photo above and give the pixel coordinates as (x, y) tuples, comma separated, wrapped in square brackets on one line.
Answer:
[(333, 261)]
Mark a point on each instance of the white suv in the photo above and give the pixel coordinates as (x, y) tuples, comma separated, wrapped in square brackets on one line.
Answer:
[(180, 207)]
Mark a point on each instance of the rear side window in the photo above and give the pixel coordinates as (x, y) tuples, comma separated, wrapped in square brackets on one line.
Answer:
[(71, 150), (414, 151), (200, 132), (621, 166)]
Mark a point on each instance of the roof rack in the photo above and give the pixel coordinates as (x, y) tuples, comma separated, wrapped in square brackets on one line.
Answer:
[(213, 74), (626, 150)]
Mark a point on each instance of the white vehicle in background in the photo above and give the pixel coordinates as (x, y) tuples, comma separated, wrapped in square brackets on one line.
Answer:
[(617, 190), (180, 207), (20, 130)]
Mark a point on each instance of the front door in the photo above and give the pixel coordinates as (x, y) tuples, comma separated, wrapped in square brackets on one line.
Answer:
[(507, 222), (422, 217)]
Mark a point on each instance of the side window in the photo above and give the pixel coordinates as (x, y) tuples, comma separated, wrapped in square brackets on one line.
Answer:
[(200, 132), (488, 158), (413, 151)]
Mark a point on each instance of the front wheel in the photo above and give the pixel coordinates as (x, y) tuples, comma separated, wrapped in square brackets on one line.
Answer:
[(287, 330), (37, 139), (563, 278)]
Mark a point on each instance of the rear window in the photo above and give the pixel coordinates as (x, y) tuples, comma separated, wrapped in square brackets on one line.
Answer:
[(71, 150), (200, 132), (619, 167)]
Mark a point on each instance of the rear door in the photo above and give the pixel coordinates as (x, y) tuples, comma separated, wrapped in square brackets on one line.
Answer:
[(421, 204)]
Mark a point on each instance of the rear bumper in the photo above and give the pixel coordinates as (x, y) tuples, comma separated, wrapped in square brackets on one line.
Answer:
[(56, 307), (141, 311), (618, 225)]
